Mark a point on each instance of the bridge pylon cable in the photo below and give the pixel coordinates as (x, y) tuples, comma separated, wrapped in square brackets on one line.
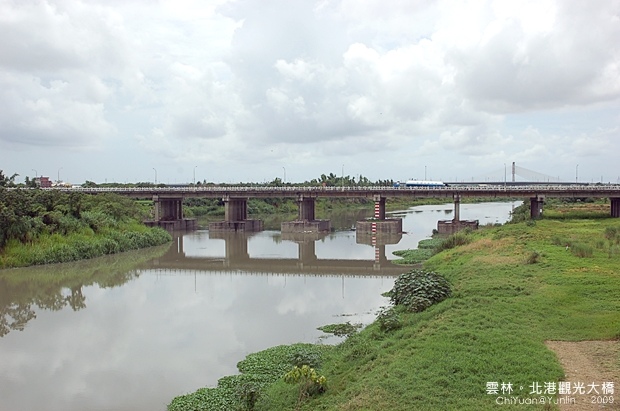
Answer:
[(534, 176)]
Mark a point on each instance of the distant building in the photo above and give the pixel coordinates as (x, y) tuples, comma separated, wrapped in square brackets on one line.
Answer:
[(43, 182)]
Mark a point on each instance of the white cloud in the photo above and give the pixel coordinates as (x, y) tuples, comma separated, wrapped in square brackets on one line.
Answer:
[(331, 81)]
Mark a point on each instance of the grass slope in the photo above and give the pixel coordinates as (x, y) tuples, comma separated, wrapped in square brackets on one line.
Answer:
[(513, 288)]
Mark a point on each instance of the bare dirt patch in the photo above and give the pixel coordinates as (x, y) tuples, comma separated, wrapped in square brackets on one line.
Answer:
[(590, 362)]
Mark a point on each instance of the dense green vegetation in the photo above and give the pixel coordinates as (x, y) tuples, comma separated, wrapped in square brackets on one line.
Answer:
[(48, 226), (257, 372), (512, 288)]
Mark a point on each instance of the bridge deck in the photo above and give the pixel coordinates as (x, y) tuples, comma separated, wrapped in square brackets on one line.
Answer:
[(491, 191)]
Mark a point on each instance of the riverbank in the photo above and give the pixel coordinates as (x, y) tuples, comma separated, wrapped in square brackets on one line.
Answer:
[(46, 226), (514, 288), (86, 244)]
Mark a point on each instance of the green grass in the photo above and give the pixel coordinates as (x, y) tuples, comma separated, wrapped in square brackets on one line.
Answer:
[(84, 244), (504, 306)]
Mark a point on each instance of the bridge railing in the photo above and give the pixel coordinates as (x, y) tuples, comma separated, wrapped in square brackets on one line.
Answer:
[(583, 189)]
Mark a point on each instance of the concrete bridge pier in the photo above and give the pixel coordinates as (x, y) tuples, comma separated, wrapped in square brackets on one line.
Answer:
[(615, 207), (236, 217), (168, 214), (306, 221), (379, 224), (457, 207), (536, 206), (456, 224), (306, 208), (235, 209), (168, 209), (379, 207)]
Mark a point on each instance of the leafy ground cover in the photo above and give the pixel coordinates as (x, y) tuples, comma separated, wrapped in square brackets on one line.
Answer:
[(257, 371)]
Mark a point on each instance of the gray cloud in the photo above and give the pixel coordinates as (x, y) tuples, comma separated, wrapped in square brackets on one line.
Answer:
[(311, 83)]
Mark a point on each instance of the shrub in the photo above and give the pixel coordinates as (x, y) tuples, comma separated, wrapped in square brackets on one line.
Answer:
[(389, 319), (309, 381), (303, 356), (532, 258), (582, 250), (418, 289), (612, 234), (557, 240), (455, 240), (97, 220)]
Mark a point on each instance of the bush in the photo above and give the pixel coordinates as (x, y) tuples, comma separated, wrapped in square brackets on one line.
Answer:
[(455, 240), (97, 220), (582, 250), (418, 289), (532, 258), (612, 234), (304, 356), (389, 319)]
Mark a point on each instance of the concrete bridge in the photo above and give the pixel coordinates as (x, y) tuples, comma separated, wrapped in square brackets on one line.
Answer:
[(169, 212)]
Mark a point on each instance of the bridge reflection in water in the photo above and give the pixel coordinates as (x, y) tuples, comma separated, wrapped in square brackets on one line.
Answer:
[(237, 259)]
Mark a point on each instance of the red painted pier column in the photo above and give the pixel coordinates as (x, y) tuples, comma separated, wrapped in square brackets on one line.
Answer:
[(379, 207), (615, 207)]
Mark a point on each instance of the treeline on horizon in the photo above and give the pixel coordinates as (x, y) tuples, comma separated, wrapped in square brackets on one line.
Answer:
[(328, 180)]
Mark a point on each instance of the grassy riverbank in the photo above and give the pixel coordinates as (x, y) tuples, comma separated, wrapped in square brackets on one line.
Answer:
[(48, 226), (513, 288), (84, 244)]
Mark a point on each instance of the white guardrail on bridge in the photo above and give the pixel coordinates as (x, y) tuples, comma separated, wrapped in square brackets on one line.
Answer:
[(583, 188)]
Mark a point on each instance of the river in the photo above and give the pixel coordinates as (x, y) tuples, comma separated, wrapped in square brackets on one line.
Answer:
[(132, 331)]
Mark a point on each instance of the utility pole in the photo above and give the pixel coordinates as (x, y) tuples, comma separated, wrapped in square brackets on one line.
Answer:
[(577, 173)]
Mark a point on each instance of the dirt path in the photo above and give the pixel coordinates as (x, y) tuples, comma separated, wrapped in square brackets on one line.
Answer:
[(590, 362)]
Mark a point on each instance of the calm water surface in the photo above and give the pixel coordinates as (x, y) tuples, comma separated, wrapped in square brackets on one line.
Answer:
[(132, 331)]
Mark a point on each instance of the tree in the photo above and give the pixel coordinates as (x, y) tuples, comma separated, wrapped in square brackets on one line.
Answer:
[(6, 181)]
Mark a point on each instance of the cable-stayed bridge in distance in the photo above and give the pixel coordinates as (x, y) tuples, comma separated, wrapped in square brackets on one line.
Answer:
[(513, 174)]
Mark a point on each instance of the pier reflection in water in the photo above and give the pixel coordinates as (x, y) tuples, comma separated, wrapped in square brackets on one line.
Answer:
[(132, 331), (237, 258)]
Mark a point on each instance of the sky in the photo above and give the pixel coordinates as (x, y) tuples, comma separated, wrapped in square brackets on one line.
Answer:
[(248, 91)]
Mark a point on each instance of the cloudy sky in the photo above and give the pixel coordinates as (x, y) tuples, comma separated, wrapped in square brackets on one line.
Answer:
[(239, 90)]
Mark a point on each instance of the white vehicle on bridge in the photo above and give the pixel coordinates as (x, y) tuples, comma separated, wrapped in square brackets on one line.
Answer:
[(424, 183)]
